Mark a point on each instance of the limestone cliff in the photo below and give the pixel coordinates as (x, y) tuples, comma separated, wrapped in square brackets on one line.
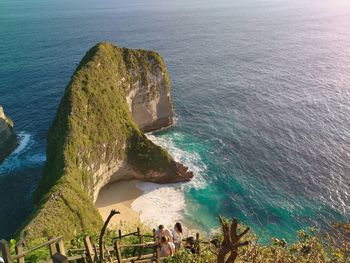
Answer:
[(8, 138), (97, 137), (149, 99)]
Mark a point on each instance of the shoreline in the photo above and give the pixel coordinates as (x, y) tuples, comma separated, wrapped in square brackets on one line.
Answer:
[(119, 196), (132, 200)]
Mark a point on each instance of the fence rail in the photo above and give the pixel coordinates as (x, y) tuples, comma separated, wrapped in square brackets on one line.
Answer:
[(55, 245), (89, 252), (136, 233)]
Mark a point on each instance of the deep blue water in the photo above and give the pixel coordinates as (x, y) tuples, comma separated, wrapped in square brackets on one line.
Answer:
[(261, 91)]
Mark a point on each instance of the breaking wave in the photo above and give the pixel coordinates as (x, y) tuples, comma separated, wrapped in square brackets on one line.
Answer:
[(20, 156), (166, 204)]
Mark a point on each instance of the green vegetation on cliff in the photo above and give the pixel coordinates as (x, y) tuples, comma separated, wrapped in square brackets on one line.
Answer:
[(93, 127)]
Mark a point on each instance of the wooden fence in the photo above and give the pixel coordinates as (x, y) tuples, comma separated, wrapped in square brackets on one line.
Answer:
[(56, 247), (89, 254)]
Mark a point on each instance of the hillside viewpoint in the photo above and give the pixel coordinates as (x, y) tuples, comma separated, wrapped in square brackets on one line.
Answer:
[(97, 137)]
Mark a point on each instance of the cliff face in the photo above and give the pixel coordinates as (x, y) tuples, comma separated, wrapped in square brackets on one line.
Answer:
[(97, 137), (8, 138), (150, 102)]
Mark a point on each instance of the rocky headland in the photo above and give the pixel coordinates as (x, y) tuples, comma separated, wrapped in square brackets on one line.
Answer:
[(8, 138), (97, 137)]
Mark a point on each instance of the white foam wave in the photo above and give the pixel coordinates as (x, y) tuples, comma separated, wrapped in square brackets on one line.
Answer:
[(159, 204), (19, 155), (13, 161), (175, 120), (37, 158), (165, 204), (24, 140), (191, 159)]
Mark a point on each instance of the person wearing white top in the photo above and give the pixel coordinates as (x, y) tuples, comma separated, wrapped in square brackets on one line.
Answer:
[(167, 248), (177, 235), (163, 232)]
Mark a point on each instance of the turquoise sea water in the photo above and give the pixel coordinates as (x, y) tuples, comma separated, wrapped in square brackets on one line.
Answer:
[(261, 91)]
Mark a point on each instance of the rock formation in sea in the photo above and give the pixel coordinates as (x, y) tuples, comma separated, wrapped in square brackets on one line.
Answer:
[(97, 137), (8, 138)]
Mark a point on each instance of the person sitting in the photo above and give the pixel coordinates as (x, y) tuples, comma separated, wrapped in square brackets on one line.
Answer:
[(163, 232), (167, 248), (192, 245), (177, 235)]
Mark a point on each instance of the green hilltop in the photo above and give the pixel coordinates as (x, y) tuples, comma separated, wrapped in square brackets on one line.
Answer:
[(93, 125)]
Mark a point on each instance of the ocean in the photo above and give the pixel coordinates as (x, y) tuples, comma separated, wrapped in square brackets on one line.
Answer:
[(261, 91)]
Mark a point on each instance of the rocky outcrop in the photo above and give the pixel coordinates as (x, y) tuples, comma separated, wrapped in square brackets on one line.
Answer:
[(8, 138), (97, 137), (150, 103)]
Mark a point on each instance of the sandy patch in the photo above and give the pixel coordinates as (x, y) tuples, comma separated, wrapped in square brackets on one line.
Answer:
[(119, 196)]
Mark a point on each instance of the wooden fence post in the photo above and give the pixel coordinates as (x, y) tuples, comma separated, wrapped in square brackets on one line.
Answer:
[(139, 235), (19, 250), (141, 248), (95, 249), (53, 249), (198, 248), (60, 247), (89, 249), (5, 250), (117, 251), (120, 234), (158, 255), (154, 234)]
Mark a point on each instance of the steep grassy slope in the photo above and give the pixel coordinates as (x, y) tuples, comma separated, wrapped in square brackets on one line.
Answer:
[(94, 128)]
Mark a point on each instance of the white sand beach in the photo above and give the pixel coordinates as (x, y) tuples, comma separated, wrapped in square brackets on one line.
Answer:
[(119, 196)]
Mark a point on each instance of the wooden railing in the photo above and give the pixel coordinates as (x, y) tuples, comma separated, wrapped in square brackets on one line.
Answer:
[(150, 257), (56, 247), (90, 252), (136, 233)]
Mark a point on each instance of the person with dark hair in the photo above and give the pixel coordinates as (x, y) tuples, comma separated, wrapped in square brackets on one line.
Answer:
[(163, 231), (177, 235), (192, 245), (167, 248)]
